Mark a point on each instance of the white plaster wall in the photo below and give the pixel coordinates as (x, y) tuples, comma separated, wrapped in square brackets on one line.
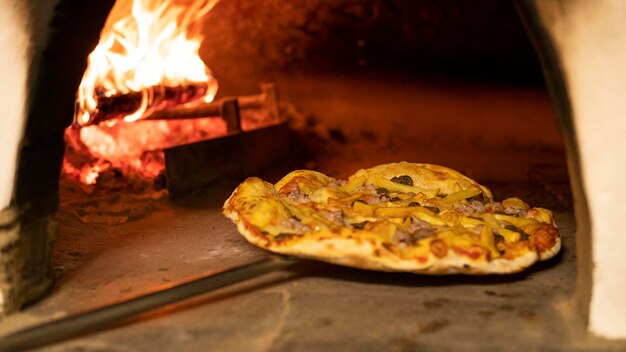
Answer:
[(592, 38), (23, 34), (14, 61)]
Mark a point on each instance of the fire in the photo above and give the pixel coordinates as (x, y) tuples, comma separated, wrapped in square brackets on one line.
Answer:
[(131, 148), (154, 46), (146, 60)]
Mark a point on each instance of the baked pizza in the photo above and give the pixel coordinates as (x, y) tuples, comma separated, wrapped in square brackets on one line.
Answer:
[(403, 216)]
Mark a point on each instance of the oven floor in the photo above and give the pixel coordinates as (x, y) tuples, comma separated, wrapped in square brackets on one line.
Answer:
[(313, 307)]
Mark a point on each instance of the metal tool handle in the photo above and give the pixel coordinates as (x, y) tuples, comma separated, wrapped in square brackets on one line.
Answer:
[(97, 319)]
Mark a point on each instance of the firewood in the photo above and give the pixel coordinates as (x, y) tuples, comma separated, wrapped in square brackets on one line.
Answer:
[(159, 98)]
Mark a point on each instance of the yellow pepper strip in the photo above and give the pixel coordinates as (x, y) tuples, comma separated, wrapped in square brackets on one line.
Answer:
[(470, 222), (364, 208), (390, 230), (462, 195), (352, 185), (424, 210), (491, 221), (343, 202), (305, 214), (395, 212), (509, 236), (403, 212), (398, 221), (399, 187), (518, 222), (541, 214), (337, 202), (321, 195), (487, 240), (450, 217), (454, 238), (434, 220)]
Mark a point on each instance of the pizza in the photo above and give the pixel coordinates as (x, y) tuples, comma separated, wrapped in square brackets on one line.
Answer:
[(402, 216)]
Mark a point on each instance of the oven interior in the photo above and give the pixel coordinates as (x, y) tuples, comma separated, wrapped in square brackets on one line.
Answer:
[(359, 83)]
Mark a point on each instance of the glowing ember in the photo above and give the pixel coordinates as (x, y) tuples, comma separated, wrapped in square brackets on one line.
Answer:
[(131, 148), (140, 55)]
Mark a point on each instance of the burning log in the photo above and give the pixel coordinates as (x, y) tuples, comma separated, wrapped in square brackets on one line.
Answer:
[(267, 99), (156, 98), (174, 103)]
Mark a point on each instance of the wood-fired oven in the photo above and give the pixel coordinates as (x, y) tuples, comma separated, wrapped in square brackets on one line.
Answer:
[(112, 180)]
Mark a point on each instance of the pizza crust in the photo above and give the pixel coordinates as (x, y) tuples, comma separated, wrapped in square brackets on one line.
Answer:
[(551, 252)]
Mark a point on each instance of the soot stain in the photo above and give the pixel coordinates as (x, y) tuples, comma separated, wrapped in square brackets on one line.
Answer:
[(433, 326), (435, 303), (406, 343), (506, 307), (338, 135), (500, 294), (528, 315), (486, 313)]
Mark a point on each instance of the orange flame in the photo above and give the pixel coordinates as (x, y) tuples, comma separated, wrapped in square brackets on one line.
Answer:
[(154, 45)]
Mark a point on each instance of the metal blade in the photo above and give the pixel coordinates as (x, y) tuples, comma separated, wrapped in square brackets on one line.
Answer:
[(100, 318)]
